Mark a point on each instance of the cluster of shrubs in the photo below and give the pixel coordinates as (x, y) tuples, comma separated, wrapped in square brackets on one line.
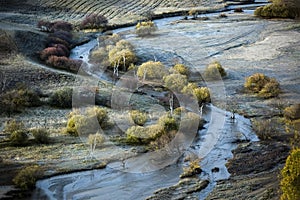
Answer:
[(175, 79), (139, 118), (145, 28), (152, 71), (279, 9), (265, 129), (17, 99), (292, 112), (58, 46), (19, 134), (292, 120), (262, 85), (290, 176), (193, 169), (138, 135), (214, 71), (160, 134), (27, 177), (94, 21), (61, 98), (115, 53), (87, 123)]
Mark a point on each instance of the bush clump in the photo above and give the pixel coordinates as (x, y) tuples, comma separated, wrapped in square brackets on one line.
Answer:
[(56, 50), (290, 182), (18, 137), (275, 10), (27, 177), (94, 21), (181, 69), (292, 112), (264, 129), (139, 135), (193, 169), (139, 118), (145, 28), (76, 125), (41, 135), (162, 141), (64, 63), (262, 85), (12, 126), (152, 70), (100, 113), (122, 55), (93, 119), (190, 121), (61, 98), (214, 71), (17, 99), (168, 123), (201, 94), (175, 82)]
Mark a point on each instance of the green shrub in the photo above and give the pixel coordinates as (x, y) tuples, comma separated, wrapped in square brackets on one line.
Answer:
[(100, 55), (100, 113), (16, 100), (27, 177), (181, 69), (189, 88), (95, 117), (169, 123), (161, 142), (175, 82), (262, 85), (190, 121), (193, 169), (62, 98), (152, 70), (41, 135), (271, 89), (214, 71), (76, 124), (139, 135), (275, 11), (145, 28), (138, 117), (202, 94), (136, 135), (290, 182), (264, 129), (292, 112), (256, 82), (18, 137), (12, 126)]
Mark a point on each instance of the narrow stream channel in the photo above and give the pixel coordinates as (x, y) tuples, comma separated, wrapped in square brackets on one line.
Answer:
[(214, 145)]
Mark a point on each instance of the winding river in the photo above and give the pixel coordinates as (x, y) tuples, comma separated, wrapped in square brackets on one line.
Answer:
[(214, 144)]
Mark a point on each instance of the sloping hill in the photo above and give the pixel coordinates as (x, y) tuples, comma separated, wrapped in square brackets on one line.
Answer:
[(122, 11)]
